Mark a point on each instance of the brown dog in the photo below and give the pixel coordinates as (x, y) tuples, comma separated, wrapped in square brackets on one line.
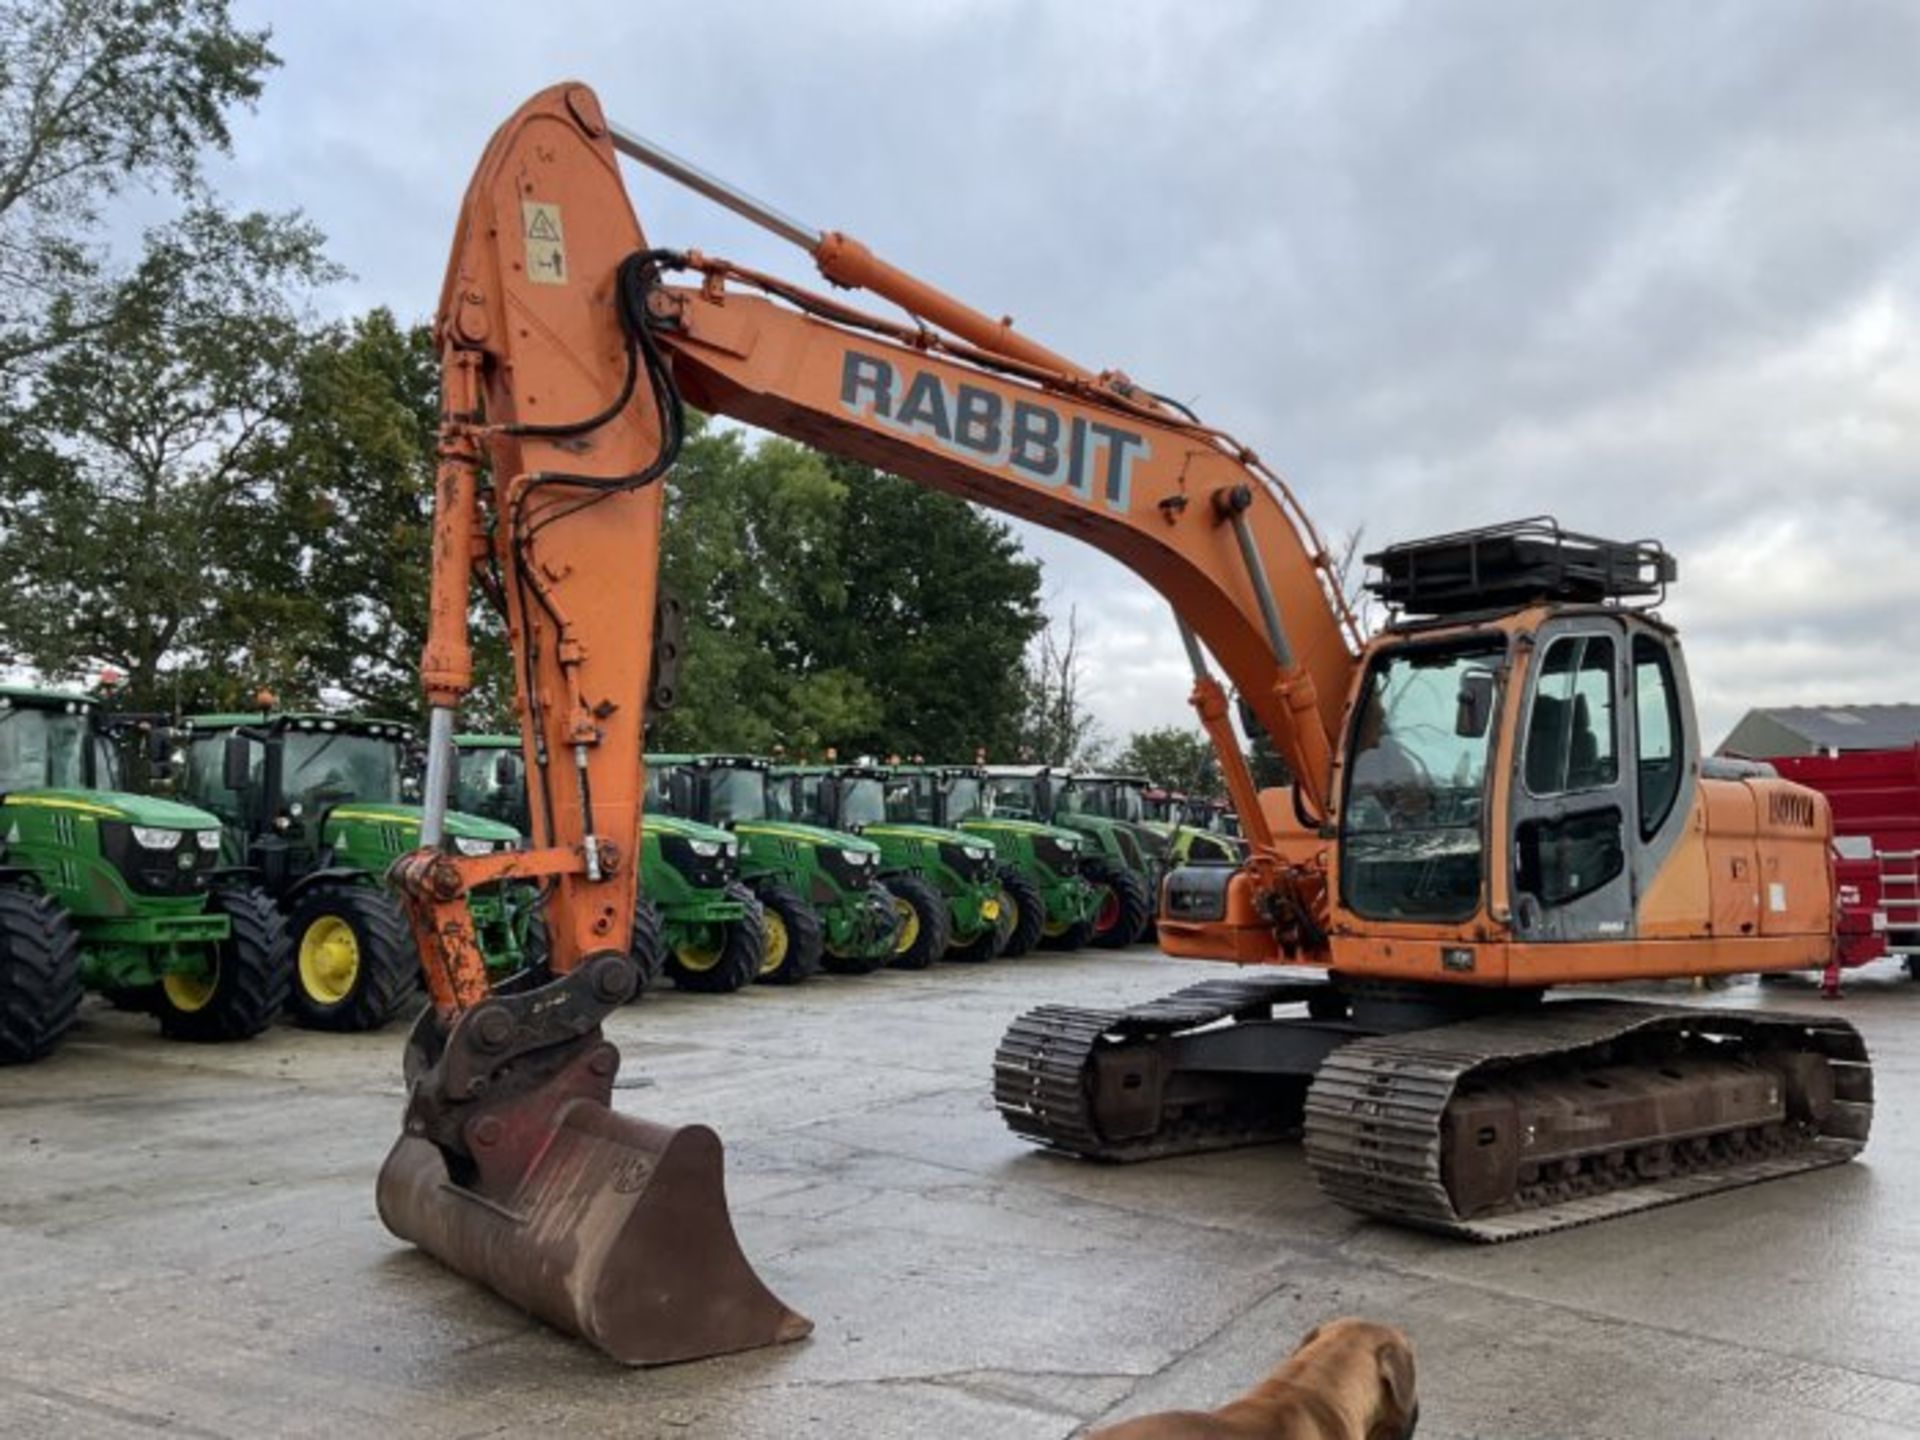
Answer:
[(1349, 1380)]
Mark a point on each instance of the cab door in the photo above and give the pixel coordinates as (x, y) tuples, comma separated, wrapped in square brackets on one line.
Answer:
[(1573, 812)]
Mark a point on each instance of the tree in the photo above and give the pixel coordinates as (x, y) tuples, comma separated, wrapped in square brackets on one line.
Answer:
[(145, 519), (751, 550), (938, 605), (97, 96), (829, 604), (1056, 727), (1173, 756), (358, 473)]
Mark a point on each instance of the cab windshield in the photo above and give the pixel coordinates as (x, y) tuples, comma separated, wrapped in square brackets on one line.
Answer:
[(735, 793), (965, 799), (493, 783), (43, 749), (863, 802), (326, 768), (910, 800), (1411, 844), (1111, 801), (1016, 796)]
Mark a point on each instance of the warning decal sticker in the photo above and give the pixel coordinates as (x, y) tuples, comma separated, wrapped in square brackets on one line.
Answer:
[(546, 243)]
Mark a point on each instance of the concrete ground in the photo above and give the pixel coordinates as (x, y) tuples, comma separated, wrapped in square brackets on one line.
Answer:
[(188, 1244)]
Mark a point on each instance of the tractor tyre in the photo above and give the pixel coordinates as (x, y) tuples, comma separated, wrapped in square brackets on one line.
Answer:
[(794, 938), (252, 969), (1076, 936), (1022, 904), (131, 999), (355, 966), (724, 968), (40, 985), (926, 929), (647, 947), (977, 951), (1124, 909), (853, 964)]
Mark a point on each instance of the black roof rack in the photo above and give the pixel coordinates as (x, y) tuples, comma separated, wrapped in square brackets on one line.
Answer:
[(1519, 563)]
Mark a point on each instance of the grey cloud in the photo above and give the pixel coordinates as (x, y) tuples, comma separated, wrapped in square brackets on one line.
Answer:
[(1650, 267)]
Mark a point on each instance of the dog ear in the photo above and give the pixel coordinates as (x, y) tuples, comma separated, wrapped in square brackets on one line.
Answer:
[(1396, 1374), (1307, 1339)]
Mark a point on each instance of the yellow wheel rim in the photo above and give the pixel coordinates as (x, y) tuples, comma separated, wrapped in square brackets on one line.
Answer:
[(1055, 927), (909, 926), (188, 993), (1009, 912), (776, 944), (697, 957), (989, 909), (329, 960)]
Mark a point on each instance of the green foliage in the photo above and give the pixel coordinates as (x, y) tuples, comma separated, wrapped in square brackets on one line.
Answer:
[(358, 475), (832, 605), (1173, 756), (143, 474), (97, 96)]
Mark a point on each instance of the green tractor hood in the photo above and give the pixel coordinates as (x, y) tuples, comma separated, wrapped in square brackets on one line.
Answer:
[(460, 825), (117, 805), (803, 834), (685, 829)]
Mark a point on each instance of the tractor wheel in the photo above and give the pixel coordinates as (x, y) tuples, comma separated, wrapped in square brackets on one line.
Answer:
[(648, 947), (354, 962), (880, 900), (723, 966), (40, 985), (925, 927), (251, 970), (1124, 908), (977, 951), (1076, 935), (1023, 911), (793, 937), (131, 999)]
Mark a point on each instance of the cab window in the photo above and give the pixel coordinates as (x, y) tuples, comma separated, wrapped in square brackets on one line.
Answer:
[(1657, 709), (1572, 740)]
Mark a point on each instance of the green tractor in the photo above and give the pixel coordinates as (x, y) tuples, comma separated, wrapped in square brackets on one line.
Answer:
[(1124, 859), (1044, 899), (313, 806), (695, 921), (825, 905), (1188, 827), (120, 893), (944, 884)]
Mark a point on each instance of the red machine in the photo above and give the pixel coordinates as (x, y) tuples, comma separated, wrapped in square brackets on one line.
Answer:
[(1875, 797)]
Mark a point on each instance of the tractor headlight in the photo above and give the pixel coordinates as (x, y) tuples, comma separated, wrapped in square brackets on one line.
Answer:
[(1071, 846), (208, 840), (855, 858), (467, 845), (705, 849), (149, 837), (973, 852)]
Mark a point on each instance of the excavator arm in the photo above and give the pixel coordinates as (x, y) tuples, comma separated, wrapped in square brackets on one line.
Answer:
[(568, 355)]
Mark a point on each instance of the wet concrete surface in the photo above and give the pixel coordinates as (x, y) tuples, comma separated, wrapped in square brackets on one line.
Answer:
[(188, 1244)]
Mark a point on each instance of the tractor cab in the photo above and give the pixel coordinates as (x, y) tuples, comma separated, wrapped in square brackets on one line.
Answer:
[(298, 793), (490, 779)]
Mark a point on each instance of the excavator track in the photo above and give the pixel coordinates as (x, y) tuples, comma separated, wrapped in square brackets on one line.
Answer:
[(1377, 1116), (1042, 1066)]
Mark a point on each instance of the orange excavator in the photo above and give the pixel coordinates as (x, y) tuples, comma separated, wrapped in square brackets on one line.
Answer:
[(1499, 794)]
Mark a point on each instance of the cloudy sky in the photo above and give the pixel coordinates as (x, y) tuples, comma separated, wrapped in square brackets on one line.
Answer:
[(1652, 268)]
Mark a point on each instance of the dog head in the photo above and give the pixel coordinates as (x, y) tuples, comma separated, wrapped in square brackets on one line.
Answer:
[(1395, 1408)]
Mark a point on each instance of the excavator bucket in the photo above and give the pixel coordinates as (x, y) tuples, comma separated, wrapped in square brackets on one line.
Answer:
[(609, 1227)]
